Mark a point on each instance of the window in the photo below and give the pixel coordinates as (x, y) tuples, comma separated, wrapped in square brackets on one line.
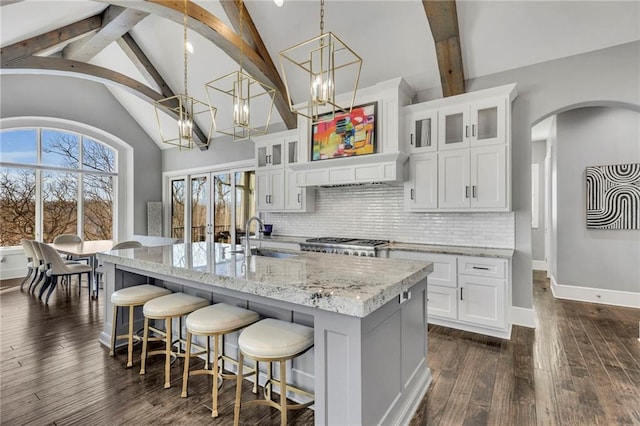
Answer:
[(54, 182), (214, 202)]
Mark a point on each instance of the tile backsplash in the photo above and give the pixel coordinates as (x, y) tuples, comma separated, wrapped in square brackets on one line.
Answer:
[(377, 211)]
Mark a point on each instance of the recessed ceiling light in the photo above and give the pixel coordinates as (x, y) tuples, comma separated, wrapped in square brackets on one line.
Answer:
[(279, 3)]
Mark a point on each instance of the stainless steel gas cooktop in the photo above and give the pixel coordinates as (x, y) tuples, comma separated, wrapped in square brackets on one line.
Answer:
[(347, 246)]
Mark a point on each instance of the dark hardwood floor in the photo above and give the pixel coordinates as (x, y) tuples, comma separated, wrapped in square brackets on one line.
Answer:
[(581, 366)]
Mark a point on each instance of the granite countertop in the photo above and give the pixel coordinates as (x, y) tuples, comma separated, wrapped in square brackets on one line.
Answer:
[(349, 285), (455, 250), (415, 247)]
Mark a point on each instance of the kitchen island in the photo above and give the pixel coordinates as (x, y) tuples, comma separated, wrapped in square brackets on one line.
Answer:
[(369, 362)]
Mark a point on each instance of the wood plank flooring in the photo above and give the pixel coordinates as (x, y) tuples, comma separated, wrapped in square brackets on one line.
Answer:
[(581, 366)]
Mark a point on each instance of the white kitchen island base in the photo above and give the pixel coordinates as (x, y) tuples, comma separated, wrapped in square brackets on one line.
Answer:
[(363, 370)]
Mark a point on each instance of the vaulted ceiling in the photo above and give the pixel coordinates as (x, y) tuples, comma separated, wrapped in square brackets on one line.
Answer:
[(135, 47)]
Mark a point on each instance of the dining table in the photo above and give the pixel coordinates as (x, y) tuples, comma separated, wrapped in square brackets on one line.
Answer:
[(85, 249)]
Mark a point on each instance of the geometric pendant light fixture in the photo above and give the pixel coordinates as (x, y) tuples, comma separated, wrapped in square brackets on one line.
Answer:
[(186, 108), (247, 101), (322, 62)]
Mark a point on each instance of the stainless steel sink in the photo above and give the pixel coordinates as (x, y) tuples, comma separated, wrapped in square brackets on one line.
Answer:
[(270, 253)]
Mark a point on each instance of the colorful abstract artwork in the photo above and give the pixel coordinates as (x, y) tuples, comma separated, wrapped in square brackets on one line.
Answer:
[(613, 197), (346, 135)]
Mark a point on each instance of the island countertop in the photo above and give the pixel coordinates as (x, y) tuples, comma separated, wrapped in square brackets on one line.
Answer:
[(348, 285)]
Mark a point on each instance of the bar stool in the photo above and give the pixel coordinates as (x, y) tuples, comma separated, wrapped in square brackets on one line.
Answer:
[(174, 305), (214, 321), (131, 297), (273, 340)]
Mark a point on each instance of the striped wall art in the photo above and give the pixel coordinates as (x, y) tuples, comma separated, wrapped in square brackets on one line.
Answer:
[(613, 197)]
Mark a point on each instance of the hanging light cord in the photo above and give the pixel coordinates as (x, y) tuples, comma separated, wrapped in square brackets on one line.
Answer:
[(321, 17), (184, 22)]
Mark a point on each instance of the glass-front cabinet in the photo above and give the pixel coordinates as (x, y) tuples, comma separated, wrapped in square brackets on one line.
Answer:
[(472, 124), (422, 131)]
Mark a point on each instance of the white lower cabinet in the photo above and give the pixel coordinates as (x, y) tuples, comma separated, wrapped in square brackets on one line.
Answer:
[(467, 293)]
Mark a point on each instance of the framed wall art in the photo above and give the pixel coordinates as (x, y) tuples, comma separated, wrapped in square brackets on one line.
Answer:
[(346, 134), (613, 196)]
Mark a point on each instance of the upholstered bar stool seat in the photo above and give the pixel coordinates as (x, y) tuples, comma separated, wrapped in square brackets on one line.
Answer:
[(131, 297), (166, 308), (214, 321), (273, 340)]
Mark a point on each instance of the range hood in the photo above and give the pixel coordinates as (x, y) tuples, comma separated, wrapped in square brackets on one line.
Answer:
[(372, 168)]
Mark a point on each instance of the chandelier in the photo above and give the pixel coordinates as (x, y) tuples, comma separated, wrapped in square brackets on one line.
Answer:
[(186, 109), (323, 61), (243, 96)]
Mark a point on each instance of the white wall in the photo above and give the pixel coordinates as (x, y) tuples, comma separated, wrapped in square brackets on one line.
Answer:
[(604, 259)]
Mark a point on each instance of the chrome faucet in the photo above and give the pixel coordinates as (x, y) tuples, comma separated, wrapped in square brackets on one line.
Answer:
[(247, 245)]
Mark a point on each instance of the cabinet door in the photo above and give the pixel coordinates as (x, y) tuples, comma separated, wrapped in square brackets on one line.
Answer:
[(453, 127), (488, 124), (291, 151), (423, 133), (488, 177), (445, 271), (270, 154), (276, 193), (263, 189), (482, 301), (453, 179), (293, 194), (423, 184), (441, 302)]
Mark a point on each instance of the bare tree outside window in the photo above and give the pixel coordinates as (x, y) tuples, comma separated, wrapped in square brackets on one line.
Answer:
[(63, 156), (177, 208), (17, 205)]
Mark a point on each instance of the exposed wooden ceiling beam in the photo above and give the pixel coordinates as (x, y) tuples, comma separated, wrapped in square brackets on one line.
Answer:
[(214, 30), (8, 2), (47, 40), (443, 20), (140, 60), (65, 67), (116, 21)]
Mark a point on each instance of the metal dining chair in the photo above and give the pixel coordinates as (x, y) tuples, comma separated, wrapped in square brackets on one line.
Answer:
[(56, 267)]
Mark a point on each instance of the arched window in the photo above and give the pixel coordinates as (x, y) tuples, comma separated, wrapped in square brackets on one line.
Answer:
[(55, 181)]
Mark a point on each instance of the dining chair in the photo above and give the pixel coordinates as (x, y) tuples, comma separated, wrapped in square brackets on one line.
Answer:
[(118, 246), (32, 262), (70, 239), (56, 267)]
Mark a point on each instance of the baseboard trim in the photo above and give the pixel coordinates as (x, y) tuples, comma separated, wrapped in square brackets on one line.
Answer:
[(524, 317), (539, 265), (595, 295)]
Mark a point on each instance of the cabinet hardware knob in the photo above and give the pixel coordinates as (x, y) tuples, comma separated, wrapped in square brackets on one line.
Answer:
[(474, 191), (461, 288), (466, 191), (299, 197), (473, 130), (411, 138), (466, 131), (412, 193), (484, 268)]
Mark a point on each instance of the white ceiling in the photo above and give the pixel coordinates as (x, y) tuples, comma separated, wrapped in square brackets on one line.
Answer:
[(392, 37)]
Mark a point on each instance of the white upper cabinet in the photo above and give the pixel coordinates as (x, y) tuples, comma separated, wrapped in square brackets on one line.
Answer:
[(474, 123), (422, 186), (422, 131), (468, 139), (276, 184)]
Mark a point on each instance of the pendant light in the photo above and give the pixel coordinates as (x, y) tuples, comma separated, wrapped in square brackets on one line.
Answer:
[(243, 96), (323, 61), (185, 108)]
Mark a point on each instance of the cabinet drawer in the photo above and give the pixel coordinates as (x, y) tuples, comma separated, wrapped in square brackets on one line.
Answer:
[(442, 302), (482, 266), (444, 266)]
